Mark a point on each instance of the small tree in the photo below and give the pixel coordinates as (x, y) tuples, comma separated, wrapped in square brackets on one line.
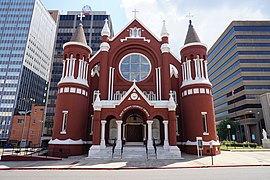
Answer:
[(223, 132)]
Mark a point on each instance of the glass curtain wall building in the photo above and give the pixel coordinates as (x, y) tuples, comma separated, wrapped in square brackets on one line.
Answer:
[(239, 69), (27, 33), (92, 23)]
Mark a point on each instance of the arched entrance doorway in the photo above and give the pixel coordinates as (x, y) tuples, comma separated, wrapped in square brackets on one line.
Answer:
[(134, 127)]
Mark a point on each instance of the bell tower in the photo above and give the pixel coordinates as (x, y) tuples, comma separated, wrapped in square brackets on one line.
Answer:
[(196, 94), (70, 132)]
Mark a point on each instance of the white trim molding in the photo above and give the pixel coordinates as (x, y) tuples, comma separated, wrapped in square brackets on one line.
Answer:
[(69, 142), (205, 143), (104, 46)]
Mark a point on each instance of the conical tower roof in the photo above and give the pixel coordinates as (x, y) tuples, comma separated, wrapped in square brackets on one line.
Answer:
[(191, 35), (79, 36)]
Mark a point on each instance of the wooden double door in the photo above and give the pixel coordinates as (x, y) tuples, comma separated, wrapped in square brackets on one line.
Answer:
[(134, 132)]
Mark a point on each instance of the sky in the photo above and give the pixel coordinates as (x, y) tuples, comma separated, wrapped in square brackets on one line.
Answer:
[(210, 17)]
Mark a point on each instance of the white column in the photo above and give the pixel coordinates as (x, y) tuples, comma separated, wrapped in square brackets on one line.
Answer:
[(196, 68), (202, 67), (70, 66), (84, 69), (150, 140), (189, 70), (206, 71), (86, 73), (67, 67), (64, 66), (109, 88), (73, 67), (112, 82), (119, 141), (185, 71), (80, 68), (199, 69), (157, 83), (102, 140), (166, 135)]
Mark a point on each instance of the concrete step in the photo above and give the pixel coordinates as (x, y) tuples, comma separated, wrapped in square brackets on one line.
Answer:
[(134, 152)]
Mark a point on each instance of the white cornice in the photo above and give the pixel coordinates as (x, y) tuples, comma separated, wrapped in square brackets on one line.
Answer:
[(196, 81), (77, 43), (193, 44), (72, 80)]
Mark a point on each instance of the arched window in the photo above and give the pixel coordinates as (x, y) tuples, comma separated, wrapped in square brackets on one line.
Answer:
[(112, 131), (156, 131)]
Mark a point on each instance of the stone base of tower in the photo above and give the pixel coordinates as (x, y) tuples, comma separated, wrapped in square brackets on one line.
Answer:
[(192, 149), (66, 150)]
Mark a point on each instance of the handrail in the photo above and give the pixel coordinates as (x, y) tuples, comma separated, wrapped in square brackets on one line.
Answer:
[(155, 147), (113, 148), (146, 149), (122, 148)]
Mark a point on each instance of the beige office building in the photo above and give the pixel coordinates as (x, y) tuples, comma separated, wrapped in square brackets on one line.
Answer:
[(239, 69)]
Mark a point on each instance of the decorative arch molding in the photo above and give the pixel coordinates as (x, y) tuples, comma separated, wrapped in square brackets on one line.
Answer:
[(121, 51)]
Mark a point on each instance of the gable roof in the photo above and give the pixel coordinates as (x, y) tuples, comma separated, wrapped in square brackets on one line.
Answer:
[(135, 19), (134, 86)]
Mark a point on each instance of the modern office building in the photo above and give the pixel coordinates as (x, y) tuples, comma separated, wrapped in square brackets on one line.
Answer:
[(27, 33), (93, 22), (239, 69)]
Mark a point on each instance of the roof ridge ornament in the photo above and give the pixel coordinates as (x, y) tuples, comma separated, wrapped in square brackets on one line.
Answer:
[(106, 30), (164, 32)]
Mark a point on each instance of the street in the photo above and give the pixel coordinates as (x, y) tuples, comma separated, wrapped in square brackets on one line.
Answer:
[(247, 173)]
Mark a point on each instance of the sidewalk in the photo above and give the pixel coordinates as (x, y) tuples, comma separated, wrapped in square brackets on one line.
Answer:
[(226, 159)]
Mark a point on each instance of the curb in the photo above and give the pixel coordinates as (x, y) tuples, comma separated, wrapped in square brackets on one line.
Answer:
[(136, 168)]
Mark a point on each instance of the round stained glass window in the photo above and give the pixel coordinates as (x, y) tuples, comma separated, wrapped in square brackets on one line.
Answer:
[(135, 67)]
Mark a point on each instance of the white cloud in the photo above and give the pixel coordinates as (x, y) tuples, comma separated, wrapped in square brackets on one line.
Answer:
[(210, 20)]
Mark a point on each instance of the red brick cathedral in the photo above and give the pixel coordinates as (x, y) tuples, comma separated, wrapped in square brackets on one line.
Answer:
[(134, 93)]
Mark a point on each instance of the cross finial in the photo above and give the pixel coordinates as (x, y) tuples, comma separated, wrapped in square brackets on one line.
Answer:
[(189, 16), (135, 12), (81, 16)]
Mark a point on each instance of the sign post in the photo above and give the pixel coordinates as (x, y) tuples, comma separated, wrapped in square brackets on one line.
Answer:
[(211, 151), (199, 146)]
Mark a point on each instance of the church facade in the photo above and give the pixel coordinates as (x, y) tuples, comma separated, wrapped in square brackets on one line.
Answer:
[(134, 91)]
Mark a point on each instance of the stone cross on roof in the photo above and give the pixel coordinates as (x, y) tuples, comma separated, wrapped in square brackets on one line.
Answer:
[(189, 16), (135, 12), (81, 16)]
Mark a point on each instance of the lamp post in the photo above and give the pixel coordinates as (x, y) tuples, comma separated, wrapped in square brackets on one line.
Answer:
[(229, 131), (25, 114)]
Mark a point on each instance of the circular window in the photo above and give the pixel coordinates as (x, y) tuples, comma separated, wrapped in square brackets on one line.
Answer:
[(135, 67)]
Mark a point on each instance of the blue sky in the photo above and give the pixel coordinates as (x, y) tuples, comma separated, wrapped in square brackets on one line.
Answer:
[(211, 17)]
